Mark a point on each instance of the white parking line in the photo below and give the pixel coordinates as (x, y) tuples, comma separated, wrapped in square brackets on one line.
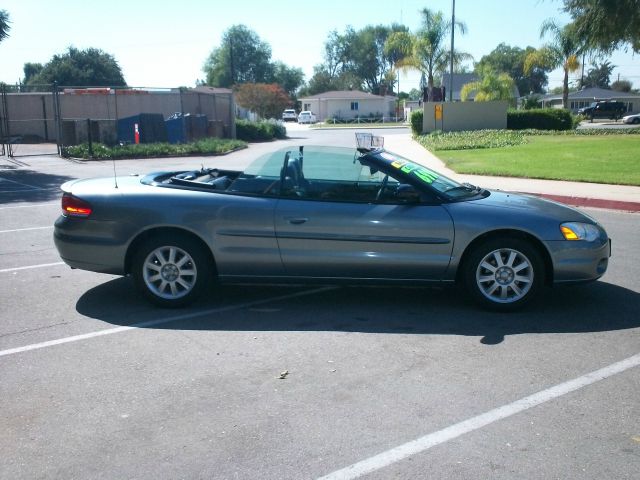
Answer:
[(25, 229), (42, 265), (422, 444), (34, 205), (153, 323), (29, 187)]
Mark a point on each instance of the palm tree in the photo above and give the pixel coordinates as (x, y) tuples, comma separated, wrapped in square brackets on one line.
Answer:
[(563, 51), (398, 47), (491, 86), (4, 24), (429, 53)]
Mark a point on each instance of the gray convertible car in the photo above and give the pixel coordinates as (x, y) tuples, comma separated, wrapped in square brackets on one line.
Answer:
[(325, 215)]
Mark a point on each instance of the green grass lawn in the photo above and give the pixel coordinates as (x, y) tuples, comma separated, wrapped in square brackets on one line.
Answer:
[(611, 159)]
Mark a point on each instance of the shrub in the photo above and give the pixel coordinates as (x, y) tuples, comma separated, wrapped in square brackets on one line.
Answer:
[(540, 119), (205, 146), (417, 121), (264, 130), (470, 139)]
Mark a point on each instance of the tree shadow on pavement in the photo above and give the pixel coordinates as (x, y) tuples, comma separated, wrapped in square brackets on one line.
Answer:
[(594, 307), (21, 185)]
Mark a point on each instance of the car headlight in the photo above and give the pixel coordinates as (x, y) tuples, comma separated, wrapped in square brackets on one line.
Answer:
[(580, 231)]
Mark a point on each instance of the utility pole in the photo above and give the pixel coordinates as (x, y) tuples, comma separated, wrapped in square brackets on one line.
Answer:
[(453, 30), (233, 79)]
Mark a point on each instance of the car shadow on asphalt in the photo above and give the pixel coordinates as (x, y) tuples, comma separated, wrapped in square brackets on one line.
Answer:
[(20, 185), (595, 307)]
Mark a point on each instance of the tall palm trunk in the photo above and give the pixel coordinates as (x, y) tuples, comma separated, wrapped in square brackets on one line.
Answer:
[(565, 89)]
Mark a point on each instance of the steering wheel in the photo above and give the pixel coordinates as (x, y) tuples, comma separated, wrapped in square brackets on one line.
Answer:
[(382, 187)]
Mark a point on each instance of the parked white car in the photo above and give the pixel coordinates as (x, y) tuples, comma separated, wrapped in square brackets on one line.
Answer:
[(289, 115), (631, 118), (306, 117)]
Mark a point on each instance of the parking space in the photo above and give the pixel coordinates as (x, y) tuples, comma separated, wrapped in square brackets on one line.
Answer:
[(301, 382)]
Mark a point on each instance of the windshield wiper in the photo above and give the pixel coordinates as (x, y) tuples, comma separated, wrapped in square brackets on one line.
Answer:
[(465, 186)]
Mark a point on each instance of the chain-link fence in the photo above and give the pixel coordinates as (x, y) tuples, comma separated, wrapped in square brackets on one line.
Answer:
[(42, 119), (29, 116)]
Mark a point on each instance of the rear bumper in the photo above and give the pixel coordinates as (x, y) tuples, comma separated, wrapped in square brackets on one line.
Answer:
[(80, 247)]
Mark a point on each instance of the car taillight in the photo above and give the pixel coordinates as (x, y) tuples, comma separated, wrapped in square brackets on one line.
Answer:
[(74, 207)]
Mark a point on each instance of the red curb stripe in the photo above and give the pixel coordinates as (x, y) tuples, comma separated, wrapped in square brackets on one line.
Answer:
[(592, 202)]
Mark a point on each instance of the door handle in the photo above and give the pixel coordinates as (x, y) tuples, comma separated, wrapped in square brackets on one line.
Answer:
[(296, 220)]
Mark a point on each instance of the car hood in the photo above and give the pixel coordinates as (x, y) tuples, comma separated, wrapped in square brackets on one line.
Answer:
[(528, 204)]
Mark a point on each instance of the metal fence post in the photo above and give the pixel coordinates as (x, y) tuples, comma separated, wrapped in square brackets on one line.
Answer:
[(57, 116), (89, 138)]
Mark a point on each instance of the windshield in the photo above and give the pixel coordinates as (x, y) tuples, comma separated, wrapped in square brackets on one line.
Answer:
[(428, 177), (341, 164)]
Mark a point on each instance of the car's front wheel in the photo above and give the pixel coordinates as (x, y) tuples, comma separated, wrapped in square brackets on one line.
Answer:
[(504, 274), (171, 271)]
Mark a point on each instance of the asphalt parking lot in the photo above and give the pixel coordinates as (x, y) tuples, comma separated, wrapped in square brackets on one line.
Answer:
[(304, 382)]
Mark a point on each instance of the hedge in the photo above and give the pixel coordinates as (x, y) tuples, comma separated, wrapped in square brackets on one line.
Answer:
[(540, 119), (417, 122), (259, 131)]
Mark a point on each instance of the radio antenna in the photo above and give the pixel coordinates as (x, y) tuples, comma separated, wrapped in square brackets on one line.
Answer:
[(115, 176)]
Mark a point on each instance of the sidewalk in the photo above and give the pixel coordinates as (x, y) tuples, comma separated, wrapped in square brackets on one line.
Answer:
[(616, 197)]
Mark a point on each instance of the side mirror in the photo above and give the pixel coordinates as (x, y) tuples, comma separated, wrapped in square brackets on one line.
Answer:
[(407, 193)]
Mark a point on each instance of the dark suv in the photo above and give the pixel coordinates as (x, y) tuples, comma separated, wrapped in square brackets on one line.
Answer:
[(612, 110)]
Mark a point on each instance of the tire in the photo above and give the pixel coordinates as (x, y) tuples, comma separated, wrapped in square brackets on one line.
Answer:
[(171, 271), (504, 274), (636, 120)]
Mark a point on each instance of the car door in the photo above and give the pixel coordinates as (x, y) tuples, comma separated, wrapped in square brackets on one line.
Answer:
[(348, 234), (241, 223)]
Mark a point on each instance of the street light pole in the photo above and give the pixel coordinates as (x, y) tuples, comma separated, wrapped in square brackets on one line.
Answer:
[(453, 30)]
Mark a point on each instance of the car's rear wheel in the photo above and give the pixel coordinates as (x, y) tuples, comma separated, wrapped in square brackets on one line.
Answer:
[(171, 271), (504, 274), (636, 120)]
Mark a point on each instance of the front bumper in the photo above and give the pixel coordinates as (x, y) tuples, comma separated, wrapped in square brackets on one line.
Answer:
[(579, 261)]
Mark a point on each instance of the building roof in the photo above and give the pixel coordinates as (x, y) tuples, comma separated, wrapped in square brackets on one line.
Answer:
[(345, 95), (211, 90), (459, 80), (591, 94)]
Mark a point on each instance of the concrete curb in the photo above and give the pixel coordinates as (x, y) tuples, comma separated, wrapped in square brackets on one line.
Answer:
[(592, 202)]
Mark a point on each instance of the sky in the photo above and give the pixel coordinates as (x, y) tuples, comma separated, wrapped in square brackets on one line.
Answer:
[(160, 43)]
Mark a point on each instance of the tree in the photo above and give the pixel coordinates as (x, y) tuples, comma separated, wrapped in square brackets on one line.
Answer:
[(323, 81), (360, 59), (415, 94), (621, 86), (430, 55), (491, 86), (289, 78), (598, 76), (398, 47), (562, 51), (336, 53), (510, 60), (242, 58), (606, 24), (267, 100), (4, 24), (87, 68), (31, 70), (369, 59)]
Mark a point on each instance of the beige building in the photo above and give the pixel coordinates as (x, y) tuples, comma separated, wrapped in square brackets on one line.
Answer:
[(349, 104)]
